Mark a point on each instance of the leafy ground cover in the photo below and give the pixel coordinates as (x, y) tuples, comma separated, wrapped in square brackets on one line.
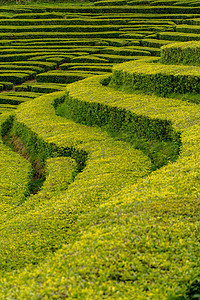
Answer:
[(117, 216)]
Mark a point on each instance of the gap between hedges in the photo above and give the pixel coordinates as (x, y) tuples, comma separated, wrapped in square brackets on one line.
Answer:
[(25, 142), (156, 138)]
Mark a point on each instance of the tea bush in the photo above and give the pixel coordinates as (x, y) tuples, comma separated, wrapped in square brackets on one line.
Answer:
[(186, 53), (132, 239), (156, 77), (110, 164), (118, 214)]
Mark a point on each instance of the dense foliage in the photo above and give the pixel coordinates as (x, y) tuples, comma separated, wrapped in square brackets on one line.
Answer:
[(99, 178)]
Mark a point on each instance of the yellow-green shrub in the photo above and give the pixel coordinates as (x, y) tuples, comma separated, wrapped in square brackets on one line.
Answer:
[(156, 77), (186, 53), (16, 174), (143, 241), (44, 221)]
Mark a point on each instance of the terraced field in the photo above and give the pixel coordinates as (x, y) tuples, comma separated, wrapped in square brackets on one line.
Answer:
[(100, 157)]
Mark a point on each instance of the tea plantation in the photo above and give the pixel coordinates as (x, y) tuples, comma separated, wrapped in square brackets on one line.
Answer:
[(100, 156)]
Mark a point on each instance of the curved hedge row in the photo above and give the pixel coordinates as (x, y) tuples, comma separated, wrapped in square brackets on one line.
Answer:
[(186, 53), (16, 174), (110, 165), (153, 77), (127, 245), (115, 230)]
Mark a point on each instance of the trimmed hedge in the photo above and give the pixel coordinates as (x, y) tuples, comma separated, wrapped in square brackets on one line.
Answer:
[(133, 35), (58, 59), (16, 67), (89, 68), (5, 108), (127, 244), (154, 16), (55, 42), (74, 21), (51, 48), (154, 43), (187, 53), (15, 78), (61, 28), (89, 59), (46, 65), (60, 173), (111, 58), (152, 22), (67, 35), (178, 36), (61, 77), (126, 9), (41, 15), (7, 85), (192, 22), (117, 231), (122, 42), (127, 51), (156, 78), (16, 173), (109, 162), (110, 2), (188, 28), (40, 88), (13, 100), (20, 57), (22, 94), (29, 74), (94, 66)]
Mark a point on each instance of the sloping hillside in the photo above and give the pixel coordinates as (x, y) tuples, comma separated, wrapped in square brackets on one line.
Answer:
[(100, 158)]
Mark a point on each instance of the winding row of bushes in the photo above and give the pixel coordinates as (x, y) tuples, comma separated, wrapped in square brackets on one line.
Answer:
[(156, 78), (127, 243), (115, 230), (110, 164), (187, 53)]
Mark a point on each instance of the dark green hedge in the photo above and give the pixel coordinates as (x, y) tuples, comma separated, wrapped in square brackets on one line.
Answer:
[(7, 85)]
